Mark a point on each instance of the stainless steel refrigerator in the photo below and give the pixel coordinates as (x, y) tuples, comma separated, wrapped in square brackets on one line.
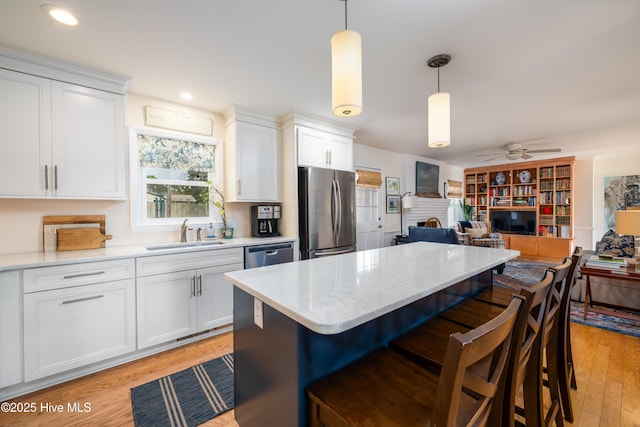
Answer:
[(326, 206)]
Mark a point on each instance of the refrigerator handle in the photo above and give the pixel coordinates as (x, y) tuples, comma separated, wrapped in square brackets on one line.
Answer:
[(339, 227), (334, 207)]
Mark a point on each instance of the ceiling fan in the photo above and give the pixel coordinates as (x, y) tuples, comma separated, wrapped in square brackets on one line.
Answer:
[(515, 151)]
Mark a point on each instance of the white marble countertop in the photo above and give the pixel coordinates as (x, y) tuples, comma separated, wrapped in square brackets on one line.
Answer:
[(333, 294), (42, 259)]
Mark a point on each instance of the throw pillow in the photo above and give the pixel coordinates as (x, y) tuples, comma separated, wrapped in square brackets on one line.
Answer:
[(477, 233), (616, 245)]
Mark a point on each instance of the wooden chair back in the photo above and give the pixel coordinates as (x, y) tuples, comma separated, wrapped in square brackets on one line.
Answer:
[(527, 328), (547, 343), (475, 361), (433, 222)]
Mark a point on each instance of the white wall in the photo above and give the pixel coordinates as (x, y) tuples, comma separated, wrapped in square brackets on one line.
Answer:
[(21, 220), (604, 167), (401, 166)]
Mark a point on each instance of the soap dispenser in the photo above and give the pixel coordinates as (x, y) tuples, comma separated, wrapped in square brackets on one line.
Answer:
[(210, 233)]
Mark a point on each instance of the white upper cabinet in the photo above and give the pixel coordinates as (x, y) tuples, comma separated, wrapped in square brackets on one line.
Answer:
[(25, 134), (60, 139), (88, 142), (251, 157), (324, 149)]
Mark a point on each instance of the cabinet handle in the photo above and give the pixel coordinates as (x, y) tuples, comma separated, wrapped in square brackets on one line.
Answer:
[(326, 157), (46, 177), (193, 286), (55, 177), (200, 285), (75, 276), (330, 159), (239, 188), (83, 299)]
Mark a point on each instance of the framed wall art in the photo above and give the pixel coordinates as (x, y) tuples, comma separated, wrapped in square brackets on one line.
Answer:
[(393, 186), (393, 204), (427, 180)]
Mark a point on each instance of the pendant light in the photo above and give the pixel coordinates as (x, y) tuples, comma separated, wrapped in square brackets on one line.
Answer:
[(439, 109), (346, 71)]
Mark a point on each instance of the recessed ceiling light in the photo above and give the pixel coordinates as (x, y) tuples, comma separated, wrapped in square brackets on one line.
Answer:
[(60, 15), (186, 96)]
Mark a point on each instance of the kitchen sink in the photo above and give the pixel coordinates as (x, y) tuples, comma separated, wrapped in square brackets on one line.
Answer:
[(182, 245)]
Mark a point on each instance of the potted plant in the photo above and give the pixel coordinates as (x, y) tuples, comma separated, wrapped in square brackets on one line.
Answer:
[(467, 211), (218, 202)]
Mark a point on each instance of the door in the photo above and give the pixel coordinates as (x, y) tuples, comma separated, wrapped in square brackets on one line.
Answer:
[(25, 134), (88, 142), (368, 220), (257, 163), (215, 296), (166, 307), (321, 209), (345, 183)]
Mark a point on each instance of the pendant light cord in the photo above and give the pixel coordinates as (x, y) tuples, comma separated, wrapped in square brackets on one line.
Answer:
[(438, 79), (345, 14)]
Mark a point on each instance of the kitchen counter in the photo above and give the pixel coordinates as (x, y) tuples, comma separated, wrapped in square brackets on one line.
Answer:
[(333, 294), (42, 259), (298, 322)]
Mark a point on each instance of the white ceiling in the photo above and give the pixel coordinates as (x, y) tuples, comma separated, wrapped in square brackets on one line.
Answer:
[(565, 71)]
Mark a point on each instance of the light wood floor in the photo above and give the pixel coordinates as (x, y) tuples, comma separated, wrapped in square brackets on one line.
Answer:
[(607, 369)]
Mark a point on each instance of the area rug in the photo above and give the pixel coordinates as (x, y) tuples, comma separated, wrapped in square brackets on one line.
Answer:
[(525, 273), (186, 398)]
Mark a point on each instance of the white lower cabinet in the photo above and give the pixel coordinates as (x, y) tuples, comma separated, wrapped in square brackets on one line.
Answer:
[(72, 327), (10, 329), (180, 301)]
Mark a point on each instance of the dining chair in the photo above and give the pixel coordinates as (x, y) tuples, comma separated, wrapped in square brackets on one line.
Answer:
[(385, 388), (499, 296), (424, 343)]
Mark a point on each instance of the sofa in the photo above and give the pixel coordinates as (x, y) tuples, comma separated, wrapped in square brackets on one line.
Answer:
[(429, 234), (438, 235), (475, 233), (611, 291)]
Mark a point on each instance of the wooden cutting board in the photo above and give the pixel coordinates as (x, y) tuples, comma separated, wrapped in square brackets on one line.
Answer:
[(70, 239)]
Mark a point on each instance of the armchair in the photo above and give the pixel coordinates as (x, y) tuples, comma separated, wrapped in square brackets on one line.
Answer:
[(475, 233)]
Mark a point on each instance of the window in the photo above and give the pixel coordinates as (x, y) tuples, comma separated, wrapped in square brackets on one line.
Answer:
[(171, 178)]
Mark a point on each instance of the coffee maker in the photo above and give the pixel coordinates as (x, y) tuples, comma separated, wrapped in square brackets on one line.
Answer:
[(264, 220)]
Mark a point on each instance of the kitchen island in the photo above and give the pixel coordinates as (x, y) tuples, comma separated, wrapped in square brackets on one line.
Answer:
[(297, 322)]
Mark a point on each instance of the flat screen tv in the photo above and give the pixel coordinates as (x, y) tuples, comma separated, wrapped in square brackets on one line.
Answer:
[(514, 221)]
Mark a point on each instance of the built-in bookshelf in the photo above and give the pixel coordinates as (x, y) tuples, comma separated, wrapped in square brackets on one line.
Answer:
[(545, 187)]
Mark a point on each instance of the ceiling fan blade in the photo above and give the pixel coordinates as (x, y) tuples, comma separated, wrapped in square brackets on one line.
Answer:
[(547, 150), (522, 141), (493, 158), (525, 156), (492, 154)]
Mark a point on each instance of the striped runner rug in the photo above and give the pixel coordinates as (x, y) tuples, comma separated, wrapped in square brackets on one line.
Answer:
[(186, 398)]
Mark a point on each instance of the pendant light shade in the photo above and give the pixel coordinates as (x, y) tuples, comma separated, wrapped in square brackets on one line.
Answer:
[(439, 109), (346, 71), (439, 120)]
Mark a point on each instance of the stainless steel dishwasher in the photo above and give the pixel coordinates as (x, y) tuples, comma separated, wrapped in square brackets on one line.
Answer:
[(259, 256)]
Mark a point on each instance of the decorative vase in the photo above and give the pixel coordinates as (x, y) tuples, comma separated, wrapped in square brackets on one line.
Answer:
[(227, 232), (525, 176), (500, 178)]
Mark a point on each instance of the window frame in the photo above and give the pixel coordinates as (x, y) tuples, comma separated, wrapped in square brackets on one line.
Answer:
[(138, 183)]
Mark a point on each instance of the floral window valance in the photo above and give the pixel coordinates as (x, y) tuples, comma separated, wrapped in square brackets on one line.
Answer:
[(168, 153)]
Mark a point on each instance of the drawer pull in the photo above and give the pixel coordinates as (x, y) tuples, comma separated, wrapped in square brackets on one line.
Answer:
[(83, 299), (75, 276)]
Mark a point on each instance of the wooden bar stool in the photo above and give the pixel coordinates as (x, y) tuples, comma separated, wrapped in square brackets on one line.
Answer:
[(499, 296), (424, 343), (386, 389)]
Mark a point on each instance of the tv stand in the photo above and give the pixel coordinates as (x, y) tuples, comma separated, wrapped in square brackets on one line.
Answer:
[(539, 247)]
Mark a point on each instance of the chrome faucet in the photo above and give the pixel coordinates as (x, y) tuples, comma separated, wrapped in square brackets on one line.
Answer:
[(183, 232)]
